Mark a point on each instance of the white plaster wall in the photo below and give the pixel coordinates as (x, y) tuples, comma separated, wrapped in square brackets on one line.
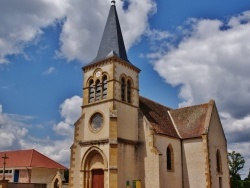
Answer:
[(127, 170), (42, 175), (169, 179), (216, 141), (85, 130), (127, 121), (148, 160), (194, 163)]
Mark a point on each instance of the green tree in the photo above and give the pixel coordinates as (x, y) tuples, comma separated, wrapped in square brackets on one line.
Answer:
[(66, 176), (236, 162)]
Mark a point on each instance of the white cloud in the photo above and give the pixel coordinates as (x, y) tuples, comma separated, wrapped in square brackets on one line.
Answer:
[(49, 71), (63, 128), (212, 63), (7, 139), (71, 109), (22, 23), (237, 130), (83, 28), (211, 60), (12, 129), (15, 132), (70, 112)]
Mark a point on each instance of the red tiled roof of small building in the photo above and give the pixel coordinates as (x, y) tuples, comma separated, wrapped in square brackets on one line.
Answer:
[(158, 117), (28, 158)]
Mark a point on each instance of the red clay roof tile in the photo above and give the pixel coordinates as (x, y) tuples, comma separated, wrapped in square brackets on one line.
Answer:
[(190, 121), (28, 158), (158, 117), (187, 122)]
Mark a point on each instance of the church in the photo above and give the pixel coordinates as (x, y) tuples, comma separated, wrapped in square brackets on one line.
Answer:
[(125, 140)]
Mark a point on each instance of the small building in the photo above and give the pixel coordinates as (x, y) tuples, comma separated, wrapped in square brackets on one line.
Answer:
[(29, 166)]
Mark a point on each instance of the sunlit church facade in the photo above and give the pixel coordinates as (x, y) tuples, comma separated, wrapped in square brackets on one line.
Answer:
[(123, 140)]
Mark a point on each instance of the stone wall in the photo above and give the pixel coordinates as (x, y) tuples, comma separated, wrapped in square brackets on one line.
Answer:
[(217, 142), (194, 163)]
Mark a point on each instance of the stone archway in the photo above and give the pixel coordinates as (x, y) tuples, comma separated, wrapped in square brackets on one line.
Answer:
[(94, 168), (57, 180), (56, 183)]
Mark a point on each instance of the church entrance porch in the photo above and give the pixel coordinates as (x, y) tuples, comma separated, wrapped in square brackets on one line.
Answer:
[(94, 168)]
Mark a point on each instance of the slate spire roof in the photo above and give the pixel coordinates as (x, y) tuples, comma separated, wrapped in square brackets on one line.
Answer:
[(112, 43)]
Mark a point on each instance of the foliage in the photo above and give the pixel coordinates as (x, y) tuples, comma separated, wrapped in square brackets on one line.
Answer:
[(248, 177), (236, 163), (240, 184), (66, 176)]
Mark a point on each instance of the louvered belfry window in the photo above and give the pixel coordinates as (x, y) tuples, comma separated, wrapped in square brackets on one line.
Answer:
[(129, 91), (104, 87), (91, 91), (123, 88), (98, 90)]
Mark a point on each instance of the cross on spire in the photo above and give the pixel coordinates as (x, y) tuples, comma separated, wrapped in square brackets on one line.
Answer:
[(113, 1), (4, 163)]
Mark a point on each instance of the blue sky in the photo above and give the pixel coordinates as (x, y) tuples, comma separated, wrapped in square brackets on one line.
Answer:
[(189, 52)]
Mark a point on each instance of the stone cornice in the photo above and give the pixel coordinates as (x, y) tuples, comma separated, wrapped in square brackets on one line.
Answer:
[(109, 141)]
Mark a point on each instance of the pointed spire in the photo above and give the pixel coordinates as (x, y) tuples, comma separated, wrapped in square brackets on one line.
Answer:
[(112, 39)]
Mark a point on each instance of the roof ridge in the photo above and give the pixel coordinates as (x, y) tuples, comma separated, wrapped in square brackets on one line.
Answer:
[(31, 159), (208, 116), (49, 158), (177, 131), (196, 105)]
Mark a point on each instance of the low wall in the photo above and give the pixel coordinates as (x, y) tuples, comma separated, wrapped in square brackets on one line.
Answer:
[(26, 185), (65, 185)]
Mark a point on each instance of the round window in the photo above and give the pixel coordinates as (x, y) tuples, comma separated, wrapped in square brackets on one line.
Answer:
[(96, 121)]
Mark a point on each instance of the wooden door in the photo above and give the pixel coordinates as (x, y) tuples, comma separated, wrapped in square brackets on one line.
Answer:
[(97, 178)]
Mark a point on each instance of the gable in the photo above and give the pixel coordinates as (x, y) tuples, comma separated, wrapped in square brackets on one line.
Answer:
[(215, 126)]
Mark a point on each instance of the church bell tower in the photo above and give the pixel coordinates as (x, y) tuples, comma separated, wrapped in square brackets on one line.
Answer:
[(106, 134)]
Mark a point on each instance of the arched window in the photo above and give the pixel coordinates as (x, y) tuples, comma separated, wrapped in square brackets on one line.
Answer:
[(104, 87), (170, 158), (218, 162), (91, 91), (129, 91), (123, 85), (98, 90)]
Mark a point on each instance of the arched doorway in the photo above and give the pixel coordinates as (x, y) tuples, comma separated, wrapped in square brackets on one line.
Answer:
[(56, 183), (94, 168)]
